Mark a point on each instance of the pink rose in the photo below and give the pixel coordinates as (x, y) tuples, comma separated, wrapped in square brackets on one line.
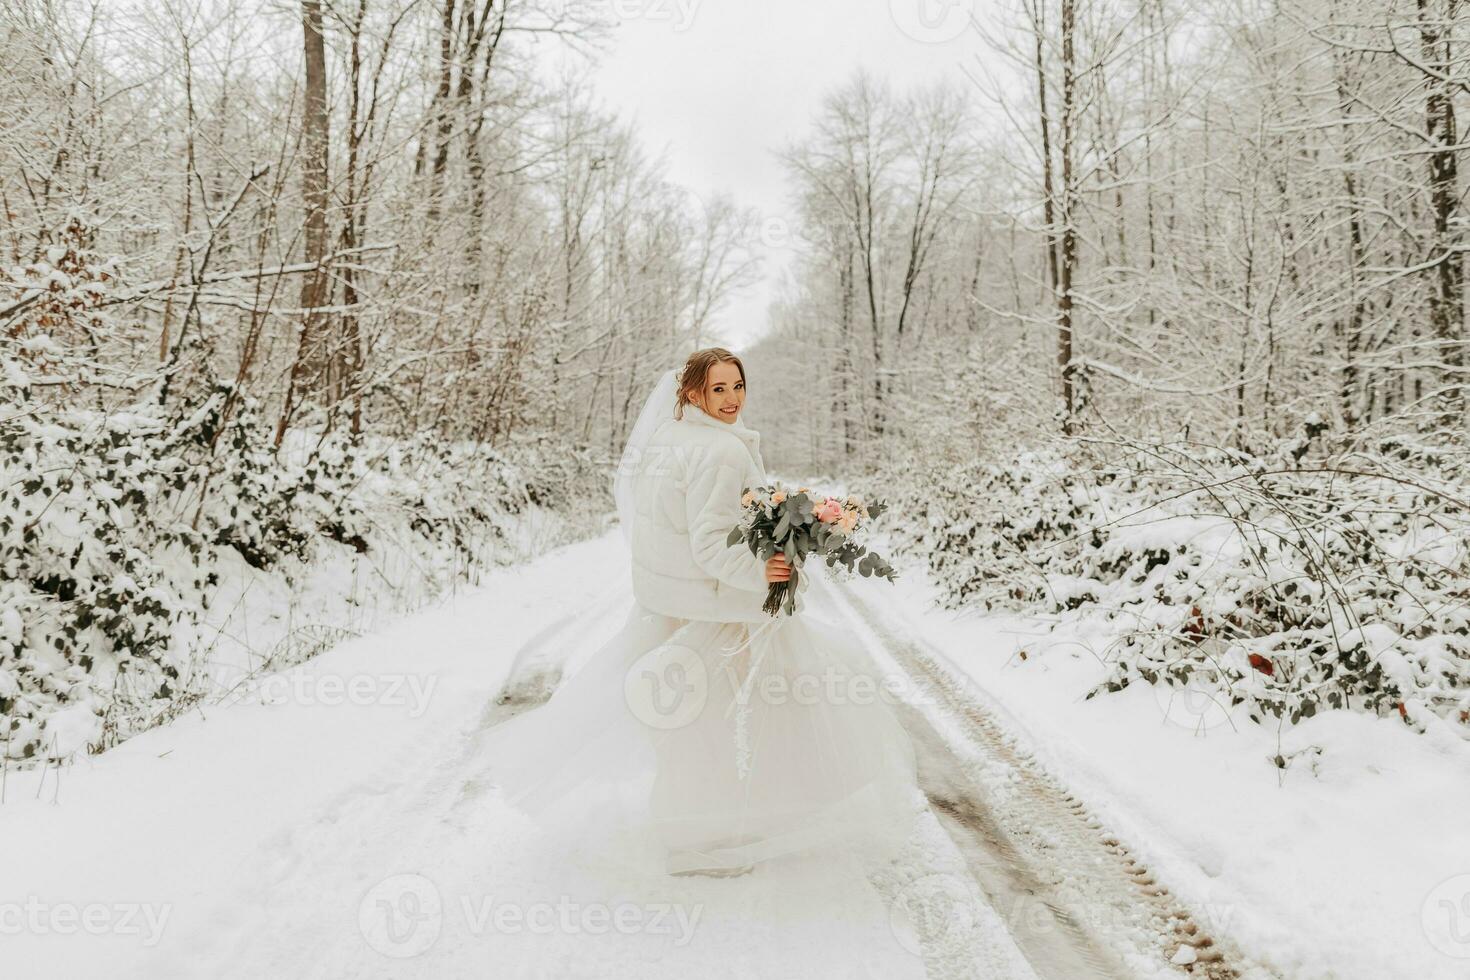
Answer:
[(828, 511)]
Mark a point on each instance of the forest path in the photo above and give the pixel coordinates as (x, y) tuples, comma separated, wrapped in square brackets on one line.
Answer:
[(1073, 899), (339, 822), (336, 822)]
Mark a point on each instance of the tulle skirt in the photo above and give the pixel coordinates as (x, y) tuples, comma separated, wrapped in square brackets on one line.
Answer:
[(687, 746)]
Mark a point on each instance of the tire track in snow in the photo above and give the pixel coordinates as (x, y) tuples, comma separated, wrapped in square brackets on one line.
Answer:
[(1091, 909), (1076, 904)]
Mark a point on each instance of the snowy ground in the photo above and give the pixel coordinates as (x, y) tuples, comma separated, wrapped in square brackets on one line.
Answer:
[(341, 831), (1353, 862), (341, 828)]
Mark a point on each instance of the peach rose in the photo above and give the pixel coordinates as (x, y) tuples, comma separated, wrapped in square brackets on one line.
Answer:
[(828, 511), (778, 496)]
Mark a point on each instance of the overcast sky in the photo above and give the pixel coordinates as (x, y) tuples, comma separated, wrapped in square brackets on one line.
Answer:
[(718, 86)]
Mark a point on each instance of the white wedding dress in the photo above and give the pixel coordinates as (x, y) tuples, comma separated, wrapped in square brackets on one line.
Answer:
[(694, 746)]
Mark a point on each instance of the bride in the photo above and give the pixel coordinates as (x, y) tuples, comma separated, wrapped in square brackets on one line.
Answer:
[(705, 736)]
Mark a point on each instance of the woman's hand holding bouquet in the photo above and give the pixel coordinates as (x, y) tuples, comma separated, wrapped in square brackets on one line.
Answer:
[(798, 523)]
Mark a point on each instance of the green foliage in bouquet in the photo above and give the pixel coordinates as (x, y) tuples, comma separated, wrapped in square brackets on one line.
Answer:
[(799, 524)]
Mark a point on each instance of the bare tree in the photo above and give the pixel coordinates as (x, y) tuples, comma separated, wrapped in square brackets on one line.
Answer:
[(315, 140)]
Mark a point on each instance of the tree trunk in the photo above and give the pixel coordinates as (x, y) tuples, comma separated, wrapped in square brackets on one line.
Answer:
[(1447, 301), (1065, 360), (349, 349), (1352, 332), (844, 347), (1049, 208), (1447, 291), (314, 195)]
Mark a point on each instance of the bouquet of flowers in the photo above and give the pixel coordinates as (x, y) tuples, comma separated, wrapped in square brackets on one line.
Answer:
[(800, 523)]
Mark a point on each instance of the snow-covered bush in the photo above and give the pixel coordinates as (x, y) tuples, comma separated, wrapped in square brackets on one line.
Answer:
[(110, 524), (1289, 582), (113, 527), (468, 498), (61, 294)]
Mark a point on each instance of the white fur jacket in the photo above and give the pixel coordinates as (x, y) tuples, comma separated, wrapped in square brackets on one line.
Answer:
[(687, 500)]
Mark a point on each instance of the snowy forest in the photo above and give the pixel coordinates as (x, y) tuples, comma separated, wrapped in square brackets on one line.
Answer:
[(1149, 327), (283, 285)]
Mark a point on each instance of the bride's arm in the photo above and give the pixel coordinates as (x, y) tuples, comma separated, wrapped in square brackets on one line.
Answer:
[(712, 504)]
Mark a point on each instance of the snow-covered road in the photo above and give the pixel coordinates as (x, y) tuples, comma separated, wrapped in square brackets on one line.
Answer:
[(341, 824), (345, 830)]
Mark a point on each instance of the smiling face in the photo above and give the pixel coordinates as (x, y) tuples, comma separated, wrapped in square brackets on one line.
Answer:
[(724, 392)]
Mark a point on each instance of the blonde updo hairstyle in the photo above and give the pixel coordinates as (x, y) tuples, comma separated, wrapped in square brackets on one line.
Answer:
[(695, 375)]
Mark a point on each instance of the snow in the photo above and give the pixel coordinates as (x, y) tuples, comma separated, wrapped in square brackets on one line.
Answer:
[(1350, 863), (71, 728), (334, 820)]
